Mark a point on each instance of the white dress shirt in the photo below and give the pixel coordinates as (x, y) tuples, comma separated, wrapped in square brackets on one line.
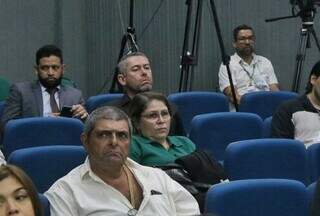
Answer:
[(256, 76), (81, 192), (46, 101)]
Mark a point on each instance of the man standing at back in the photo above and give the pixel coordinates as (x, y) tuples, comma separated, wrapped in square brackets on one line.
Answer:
[(135, 76), (45, 96), (250, 72)]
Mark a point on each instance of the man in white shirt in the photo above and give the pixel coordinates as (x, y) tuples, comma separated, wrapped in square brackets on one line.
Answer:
[(109, 183), (250, 72)]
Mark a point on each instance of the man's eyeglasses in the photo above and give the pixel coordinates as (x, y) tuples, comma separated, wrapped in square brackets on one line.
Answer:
[(244, 39), (164, 114), (47, 67)]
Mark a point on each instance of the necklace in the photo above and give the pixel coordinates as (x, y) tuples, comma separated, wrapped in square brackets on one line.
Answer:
[(133, 200)]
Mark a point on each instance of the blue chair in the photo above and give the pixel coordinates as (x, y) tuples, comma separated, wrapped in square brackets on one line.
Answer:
[(259, 197), (40, 131), (267, 127), (311, 190), (46, 164), (190, 104), (45, 204), (264, 103), (313, 155), (214, 131), (2, 103), (94, 102), (266, 158)]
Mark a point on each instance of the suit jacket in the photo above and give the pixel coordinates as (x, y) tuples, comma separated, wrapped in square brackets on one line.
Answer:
[(25, 100)]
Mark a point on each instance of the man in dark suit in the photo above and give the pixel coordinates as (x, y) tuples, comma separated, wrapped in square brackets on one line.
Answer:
[(45, 96), (135, 76)]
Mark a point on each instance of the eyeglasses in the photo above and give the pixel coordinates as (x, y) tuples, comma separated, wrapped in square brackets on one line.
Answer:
[(47, 67), (164, 114), (244, 39)]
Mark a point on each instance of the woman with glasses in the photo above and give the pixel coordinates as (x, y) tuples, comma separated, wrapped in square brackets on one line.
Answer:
[(18, 195), (151, 117)]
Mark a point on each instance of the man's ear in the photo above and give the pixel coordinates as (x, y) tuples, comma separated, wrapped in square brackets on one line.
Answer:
[(122, 79), (234, 44), (313, 79), (63, 67), (36, 69), (84, 139)]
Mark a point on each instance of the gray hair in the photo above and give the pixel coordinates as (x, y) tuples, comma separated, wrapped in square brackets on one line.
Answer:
[(122, 65), (107, 113)]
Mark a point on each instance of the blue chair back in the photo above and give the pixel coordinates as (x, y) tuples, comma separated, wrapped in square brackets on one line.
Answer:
[(214, 131), (259, 197), (45, 204), (311, 191), (96, 101), (313, 155), (2, 103), (266, 158), (46, 164), (190, 104), (264, 103), (40, 131), (267, 127)]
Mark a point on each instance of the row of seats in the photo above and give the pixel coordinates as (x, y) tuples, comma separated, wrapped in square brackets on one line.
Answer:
[(190, 104), (213, 131), (193, 103), (248, 159), (259, 197)]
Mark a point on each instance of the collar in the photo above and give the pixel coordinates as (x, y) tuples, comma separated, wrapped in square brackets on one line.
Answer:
[(43, 89), (86, 171), (239, 60), (146, 140)]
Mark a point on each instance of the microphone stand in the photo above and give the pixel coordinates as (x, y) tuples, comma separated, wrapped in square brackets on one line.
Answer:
[(128, 39)]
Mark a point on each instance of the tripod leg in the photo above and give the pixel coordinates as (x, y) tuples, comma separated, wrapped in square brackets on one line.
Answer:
[(115, 74), (304, 37), (315, 37)]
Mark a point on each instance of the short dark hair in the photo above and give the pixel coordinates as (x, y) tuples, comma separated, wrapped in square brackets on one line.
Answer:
[(15, 172), (139, 104), (47, 51), (239, 28), (314, 71)]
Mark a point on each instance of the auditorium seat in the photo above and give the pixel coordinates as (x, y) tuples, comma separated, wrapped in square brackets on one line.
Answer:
[(94, 102)]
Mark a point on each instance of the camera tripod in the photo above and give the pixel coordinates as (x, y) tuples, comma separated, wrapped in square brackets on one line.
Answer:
[(306, 30), (307, 15), (189, 58), (128, 39)]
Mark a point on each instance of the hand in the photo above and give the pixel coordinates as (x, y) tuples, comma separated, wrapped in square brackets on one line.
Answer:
[(79, 111)]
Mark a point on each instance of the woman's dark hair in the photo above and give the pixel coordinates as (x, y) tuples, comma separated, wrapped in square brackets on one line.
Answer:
[(316, 72), (11, 170), (139, 104)]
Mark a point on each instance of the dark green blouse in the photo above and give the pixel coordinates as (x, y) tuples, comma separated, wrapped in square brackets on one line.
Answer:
[(151, 153)]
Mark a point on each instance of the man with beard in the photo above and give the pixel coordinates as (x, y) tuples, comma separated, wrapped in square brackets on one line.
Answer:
[(135, 76), (250, 72), (46, 96), (300, 118)]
